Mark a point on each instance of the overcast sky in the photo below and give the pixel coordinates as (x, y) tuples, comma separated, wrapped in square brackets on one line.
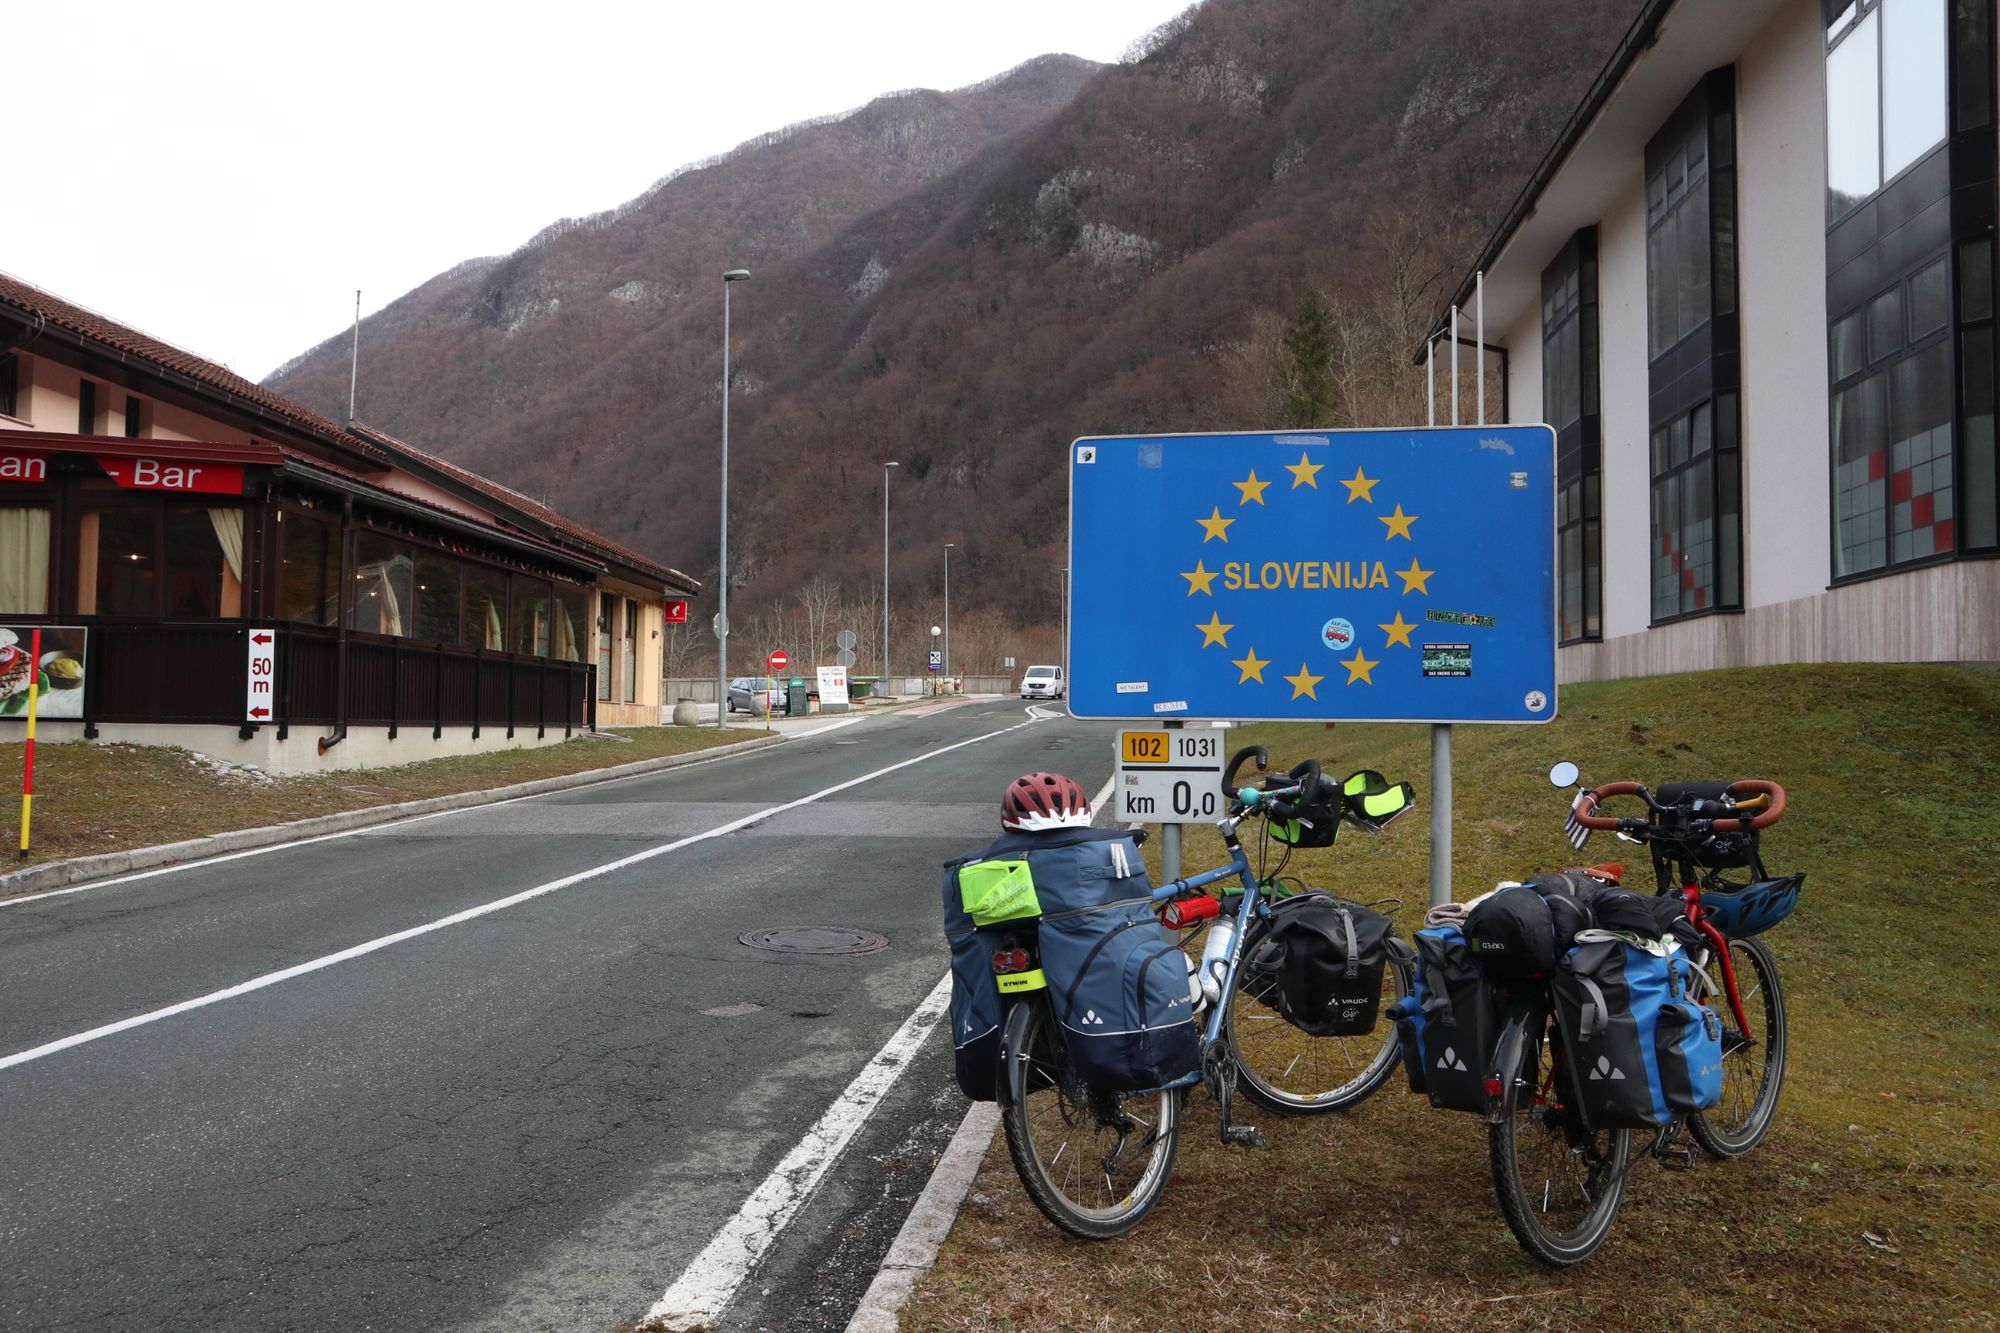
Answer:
[(225, 175)]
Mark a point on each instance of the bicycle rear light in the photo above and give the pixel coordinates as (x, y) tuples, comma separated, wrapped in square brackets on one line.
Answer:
[(1010, 960), (1184, 912)]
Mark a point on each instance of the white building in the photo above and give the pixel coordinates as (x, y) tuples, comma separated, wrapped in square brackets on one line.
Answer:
[(1752, 287)]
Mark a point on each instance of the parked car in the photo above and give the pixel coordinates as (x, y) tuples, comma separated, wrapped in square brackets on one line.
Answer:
[(1042, 682), (755, 694)]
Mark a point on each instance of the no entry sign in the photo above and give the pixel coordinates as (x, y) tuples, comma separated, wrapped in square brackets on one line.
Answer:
[(778, 661)]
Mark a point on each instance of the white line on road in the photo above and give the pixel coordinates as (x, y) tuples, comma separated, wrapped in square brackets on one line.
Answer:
[(708, 1284), (470, 913)]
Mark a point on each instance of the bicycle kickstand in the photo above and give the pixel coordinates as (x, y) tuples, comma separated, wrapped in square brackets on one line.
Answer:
[(1219, 1072)]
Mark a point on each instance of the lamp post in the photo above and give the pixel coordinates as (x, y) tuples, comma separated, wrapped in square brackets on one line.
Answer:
[(936, 677), (885, 573), (722, 576), (947, 608)]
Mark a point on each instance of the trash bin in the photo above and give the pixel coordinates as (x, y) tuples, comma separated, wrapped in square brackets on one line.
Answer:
[(797, 704)]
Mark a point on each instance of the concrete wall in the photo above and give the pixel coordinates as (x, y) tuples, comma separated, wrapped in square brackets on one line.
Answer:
[(363, 748)]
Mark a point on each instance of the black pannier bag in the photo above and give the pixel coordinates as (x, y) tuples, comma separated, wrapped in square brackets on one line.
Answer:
[(1512, 930), (1325, 957), (1569, 894), (1643, 914), (1449, 1024)]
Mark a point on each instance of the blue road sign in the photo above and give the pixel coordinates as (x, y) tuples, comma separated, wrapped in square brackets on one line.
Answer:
[(1391, 576), (937, 660)]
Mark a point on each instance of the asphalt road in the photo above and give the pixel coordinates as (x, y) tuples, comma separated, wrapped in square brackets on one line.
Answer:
[(530, 1118)]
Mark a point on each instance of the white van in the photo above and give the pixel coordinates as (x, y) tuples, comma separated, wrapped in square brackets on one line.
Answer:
[(1042, 682)]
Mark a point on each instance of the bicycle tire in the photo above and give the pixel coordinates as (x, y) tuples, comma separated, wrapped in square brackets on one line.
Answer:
[(1292, 1072), (1545, 1163), (1073, 1146), (1753, 1073)]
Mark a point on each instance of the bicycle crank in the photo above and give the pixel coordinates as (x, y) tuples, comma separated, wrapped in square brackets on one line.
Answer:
[(1218, 1071)]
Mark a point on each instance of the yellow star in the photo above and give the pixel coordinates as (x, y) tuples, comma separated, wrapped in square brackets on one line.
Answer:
[(1399, 632), (1362, 487), (1399, 523), (1201, 578), (1251, 665), (1304, 474), (1213, 631), (1359, 667), (1253, 489), (1215, 527), (1305, 683), (1415, 579)]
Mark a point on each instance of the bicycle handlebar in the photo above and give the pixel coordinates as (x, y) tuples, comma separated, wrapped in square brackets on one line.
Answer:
[(1751, 788)]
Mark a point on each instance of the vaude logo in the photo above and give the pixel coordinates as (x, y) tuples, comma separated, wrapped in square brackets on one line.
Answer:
[(1090, 1016), (1450, 1060), (1606, 1071), (1185, 999)]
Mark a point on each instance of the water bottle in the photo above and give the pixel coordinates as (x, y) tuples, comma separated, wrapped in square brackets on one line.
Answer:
[(1215, 957)]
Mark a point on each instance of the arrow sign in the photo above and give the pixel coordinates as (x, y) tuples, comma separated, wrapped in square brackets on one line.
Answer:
[(260, 676)]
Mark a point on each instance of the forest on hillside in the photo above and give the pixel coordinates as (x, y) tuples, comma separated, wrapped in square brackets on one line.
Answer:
[(1248, 225)]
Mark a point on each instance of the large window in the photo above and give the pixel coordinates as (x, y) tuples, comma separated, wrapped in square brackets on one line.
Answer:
[(528, 628), (630, 661), (160, 560), (24, 560), (1910, 354), (309, 581), (569, 629), (1887, 84), (1569, 403), (607, 607), (383, 598), (485, 608), (1694, 375), (439, 581)]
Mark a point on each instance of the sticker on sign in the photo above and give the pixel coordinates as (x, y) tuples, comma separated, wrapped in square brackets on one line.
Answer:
[(1170, 777)]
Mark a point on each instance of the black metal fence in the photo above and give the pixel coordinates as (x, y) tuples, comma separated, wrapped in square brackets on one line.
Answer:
[(196, 671)]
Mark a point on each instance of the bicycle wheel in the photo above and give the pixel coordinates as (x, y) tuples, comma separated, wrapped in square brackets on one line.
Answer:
[(1560, 1184), (1093, 1161), (1753, 1071), (1292, 1072)]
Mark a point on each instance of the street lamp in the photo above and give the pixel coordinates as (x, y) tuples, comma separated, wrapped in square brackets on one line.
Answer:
[(722, 579), (936, 677), (947, 608), (885, 574)]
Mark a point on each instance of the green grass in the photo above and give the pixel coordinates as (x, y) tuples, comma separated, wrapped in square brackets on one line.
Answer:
[(101, 798), (1890, 1122)]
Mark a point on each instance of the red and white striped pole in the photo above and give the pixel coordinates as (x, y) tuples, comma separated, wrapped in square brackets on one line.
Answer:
[(28, 753)]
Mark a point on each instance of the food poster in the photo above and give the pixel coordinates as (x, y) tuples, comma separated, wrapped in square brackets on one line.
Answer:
[(61, 669)]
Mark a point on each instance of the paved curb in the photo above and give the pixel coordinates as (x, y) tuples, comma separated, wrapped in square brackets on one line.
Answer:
[(916, 1245), (59, 874)]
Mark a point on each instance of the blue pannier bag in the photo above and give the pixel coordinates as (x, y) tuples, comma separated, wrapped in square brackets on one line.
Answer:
[(1449, 1023), (1642, 1048), (1117, 980)]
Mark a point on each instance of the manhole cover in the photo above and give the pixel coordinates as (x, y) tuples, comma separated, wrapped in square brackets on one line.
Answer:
[(815, 939)]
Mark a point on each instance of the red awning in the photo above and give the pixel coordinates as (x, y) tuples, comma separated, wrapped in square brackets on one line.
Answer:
[(118, 446)]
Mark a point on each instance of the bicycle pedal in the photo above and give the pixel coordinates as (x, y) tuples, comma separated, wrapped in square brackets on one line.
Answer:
[(1675, 1156), (1246, 1136)]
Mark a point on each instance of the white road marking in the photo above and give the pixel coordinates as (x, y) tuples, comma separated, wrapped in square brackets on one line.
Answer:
[(708, 1284), (470, 913)]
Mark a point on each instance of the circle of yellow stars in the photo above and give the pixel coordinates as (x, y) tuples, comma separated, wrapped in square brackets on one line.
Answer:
[(1360, 667)]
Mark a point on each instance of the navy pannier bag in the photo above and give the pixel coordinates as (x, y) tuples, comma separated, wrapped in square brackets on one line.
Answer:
[(1449, 1023), (1641, 1049)]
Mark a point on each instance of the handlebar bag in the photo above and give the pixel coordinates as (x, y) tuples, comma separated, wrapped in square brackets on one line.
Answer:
[(1449, 1023), (1326, 956), (1641, 1050)]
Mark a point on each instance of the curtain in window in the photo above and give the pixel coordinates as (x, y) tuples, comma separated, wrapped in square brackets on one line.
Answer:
[(24, 561), (229, 534)]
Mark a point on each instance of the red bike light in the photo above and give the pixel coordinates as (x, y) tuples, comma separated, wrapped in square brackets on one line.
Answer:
[(1186, 912), (1493, 1085), (1010, 960)]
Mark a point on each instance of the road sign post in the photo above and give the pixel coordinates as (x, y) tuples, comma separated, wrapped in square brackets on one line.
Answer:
[(260, 675)]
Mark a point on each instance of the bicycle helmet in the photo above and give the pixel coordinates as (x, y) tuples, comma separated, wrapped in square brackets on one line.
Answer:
[(1752, 910), (1038, 801)]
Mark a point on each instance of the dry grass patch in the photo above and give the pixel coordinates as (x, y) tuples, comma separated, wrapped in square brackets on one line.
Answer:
[(1874, 1203)]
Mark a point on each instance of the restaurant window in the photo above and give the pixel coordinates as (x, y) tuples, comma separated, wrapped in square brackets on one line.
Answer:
[(631, 655), (24, 560), (1694, 372), (119, 562), (1570, 404), (86, 408), (569, 630), (383, 596), (440, 580), (310, 569), (607, 608), (485, 608), (528, 625), (10, 385), (203, 561)]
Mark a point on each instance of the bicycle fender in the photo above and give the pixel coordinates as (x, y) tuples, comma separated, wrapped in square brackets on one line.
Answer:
[(1508, 1052)]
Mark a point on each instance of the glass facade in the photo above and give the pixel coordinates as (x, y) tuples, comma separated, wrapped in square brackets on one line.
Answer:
[(1694, 369), (1570, 404)]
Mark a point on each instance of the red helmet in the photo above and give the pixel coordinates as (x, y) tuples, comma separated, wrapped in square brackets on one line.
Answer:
[(1040, 801)]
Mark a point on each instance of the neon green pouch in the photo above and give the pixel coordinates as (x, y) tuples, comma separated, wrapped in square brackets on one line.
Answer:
[(996, 891)]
